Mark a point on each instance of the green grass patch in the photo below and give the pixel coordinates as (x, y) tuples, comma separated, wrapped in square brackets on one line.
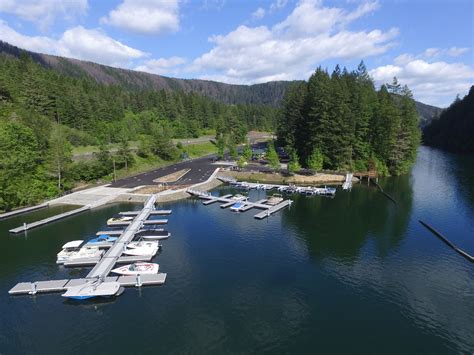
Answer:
[(200, 149)]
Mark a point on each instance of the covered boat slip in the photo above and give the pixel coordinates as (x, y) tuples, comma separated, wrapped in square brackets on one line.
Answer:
[(103, 266)]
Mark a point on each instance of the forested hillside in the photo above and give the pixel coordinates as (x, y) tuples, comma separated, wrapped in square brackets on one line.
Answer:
[(261, 94), (454, 129), (43, 114), (340, 121), (270, 93)]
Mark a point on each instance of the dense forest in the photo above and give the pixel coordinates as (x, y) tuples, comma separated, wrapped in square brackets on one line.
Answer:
[(270, 93), (44, 114), (340, 121), (454, 129)]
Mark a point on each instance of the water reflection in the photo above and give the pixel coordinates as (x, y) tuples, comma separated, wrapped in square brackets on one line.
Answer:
[(342, 226)]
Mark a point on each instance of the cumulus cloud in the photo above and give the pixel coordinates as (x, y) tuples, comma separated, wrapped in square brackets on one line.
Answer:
[(278, 4), (292, 48), (44, 12), (145, 16), (162, 66), (258, 14), (77, 42), (435, 83)]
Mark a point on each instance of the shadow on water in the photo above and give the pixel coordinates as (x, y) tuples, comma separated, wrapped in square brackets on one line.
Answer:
[(340, 227)]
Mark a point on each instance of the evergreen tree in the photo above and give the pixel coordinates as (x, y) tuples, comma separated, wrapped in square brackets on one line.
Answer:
[(315, 160), (294, 165), (272, 157), (60, 154)]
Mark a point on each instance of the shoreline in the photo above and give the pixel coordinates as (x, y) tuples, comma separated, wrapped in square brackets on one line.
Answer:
[(277, 178)]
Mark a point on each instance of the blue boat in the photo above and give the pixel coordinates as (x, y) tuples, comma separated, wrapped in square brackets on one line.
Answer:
[(236, 207), (103, 238)]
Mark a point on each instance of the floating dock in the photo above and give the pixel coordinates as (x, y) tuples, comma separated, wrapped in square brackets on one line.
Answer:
[(152, 213), (228, 201), (103, 266), (42, 222), (22, 211), (31, 288)]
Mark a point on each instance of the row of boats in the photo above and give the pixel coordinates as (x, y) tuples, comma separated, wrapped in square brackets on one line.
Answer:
[(145, 243), (290, 189)]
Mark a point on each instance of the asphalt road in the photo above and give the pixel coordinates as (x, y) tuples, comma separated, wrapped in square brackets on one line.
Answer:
[(201, 170)]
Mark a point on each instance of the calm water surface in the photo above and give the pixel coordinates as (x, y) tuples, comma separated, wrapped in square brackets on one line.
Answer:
[(353, 274)]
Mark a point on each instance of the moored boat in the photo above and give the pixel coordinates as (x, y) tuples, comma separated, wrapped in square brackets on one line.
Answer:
[(120, 219), (275, 199), (141, 248), (137, 269), (68, 249), (153, 234), (103, 238), (93, 289), (236, 207)]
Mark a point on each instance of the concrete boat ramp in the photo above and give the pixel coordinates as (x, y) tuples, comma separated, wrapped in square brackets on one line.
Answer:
[(229, 200), (103, 266)]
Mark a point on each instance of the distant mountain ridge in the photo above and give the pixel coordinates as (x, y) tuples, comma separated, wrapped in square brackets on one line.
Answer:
[(270, 93)]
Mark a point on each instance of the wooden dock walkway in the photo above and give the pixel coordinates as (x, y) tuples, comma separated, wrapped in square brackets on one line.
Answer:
[(152, 213), (273, 209), (228, 201), (23, 210), (25, 288), (102, 269), (45, 221), (102, 266)]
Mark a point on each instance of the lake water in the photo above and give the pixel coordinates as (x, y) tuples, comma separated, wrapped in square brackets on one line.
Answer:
[(353, 274)]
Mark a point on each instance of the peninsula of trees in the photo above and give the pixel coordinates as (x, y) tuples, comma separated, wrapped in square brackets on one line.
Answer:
[(341, 122), (454, 129)]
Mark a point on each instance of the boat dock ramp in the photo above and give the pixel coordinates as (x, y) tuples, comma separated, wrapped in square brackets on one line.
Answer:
[(348, 182), (103, 266), (230, 200)]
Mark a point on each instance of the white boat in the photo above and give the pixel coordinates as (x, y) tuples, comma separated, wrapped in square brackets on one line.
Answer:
[(121, 219), (137, 269), (86, 252), (93, 289), (153, 234), (239, 197), (141, 248), (68, 249)]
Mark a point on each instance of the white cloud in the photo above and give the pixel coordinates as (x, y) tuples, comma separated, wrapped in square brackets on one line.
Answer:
[(96, 46), (435, 83), (34, 43), (258, 14), (77, 42), (292, 48), (145, 16), (456, 52), (44, 12), (278, 4), (162, 66)]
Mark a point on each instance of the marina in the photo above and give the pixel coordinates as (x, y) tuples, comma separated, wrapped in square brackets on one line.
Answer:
[(98, 280), (306, 190), (245, 205)]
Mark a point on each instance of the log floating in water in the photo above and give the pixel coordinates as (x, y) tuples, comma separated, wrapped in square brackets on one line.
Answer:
[(447, 242)]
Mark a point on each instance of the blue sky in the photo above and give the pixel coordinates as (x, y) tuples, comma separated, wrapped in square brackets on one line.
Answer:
[(427, 44)]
